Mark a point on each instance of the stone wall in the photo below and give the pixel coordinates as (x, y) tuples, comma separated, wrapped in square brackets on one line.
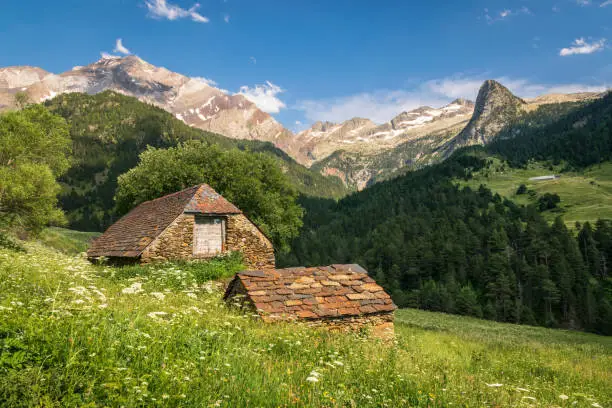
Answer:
[(241, 235), (174, 243), (378, 325), (244, 236)]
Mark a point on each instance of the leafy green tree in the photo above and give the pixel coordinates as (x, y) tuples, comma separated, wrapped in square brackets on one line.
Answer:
[(548, 201), (22, 99), (253, 182), (34, 151)]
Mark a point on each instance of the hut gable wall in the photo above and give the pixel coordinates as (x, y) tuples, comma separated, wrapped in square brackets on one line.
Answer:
[(244, 236), (176, 242)]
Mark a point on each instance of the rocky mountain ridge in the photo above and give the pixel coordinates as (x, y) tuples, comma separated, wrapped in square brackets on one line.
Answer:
[(191, 100), (496, 109), (363, 136), (358, 150)]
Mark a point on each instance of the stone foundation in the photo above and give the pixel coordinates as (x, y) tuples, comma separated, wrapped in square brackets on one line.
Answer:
[(176, 242), (378, 325)]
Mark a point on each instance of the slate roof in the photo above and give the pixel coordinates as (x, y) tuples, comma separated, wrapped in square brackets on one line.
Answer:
[(312, 293), (131, 235)]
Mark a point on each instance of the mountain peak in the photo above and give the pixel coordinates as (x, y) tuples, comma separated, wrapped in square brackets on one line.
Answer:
[(491, 89), (496, 106), (462, 102)]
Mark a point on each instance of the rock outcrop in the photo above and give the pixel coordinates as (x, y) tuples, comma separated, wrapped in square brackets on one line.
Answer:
[(495, 108)]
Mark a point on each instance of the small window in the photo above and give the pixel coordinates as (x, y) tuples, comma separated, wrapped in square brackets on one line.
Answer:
[(208, 236)]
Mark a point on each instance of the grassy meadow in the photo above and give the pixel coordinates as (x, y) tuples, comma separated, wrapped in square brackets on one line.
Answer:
[(77, 335), (585, 196)]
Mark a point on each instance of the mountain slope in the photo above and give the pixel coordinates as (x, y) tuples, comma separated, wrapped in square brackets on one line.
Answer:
[(358, 150), (496, 114), (364, 137), (192, 100), (109, 130)]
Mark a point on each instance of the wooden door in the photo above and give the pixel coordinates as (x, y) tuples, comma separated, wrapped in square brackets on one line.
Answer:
[(208, 236)]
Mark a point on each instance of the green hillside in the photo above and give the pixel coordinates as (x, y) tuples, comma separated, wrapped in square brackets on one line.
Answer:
[(586, 195), (456, 237), (110, 130), (74, 335)]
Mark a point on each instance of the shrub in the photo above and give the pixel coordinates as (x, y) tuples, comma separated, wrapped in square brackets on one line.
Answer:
[(548, 201), (8, 242)]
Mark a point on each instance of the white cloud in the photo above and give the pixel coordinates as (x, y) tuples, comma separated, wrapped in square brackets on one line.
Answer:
[(161, 9), (462, 87), (120, 48), (253, 60), (556, 9), (264, 96), (382, 105), (198, 18), (504, 14), (606, 3), (583, 2), (379, 106), (207, 81), (226, 18), (581, 46)]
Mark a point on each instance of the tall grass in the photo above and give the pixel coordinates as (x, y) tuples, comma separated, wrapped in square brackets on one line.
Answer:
[(74, 335), (67, 241)]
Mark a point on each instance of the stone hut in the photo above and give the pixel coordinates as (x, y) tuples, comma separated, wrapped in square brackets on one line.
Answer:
[(341, 297), (195, 223)]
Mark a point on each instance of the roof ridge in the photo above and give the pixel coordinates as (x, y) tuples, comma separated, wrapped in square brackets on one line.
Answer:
[(196, 187)]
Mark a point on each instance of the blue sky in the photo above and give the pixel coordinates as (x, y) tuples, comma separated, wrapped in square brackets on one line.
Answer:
[(311, 60)]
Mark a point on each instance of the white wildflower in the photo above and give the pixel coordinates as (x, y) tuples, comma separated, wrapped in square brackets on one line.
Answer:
[(100, 294), (102, 306), (312, 379), (79, 290), (563, 397), (339, 363), (155, 315), (78, 301), (158, 295), (192, 295), (136, 287)]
